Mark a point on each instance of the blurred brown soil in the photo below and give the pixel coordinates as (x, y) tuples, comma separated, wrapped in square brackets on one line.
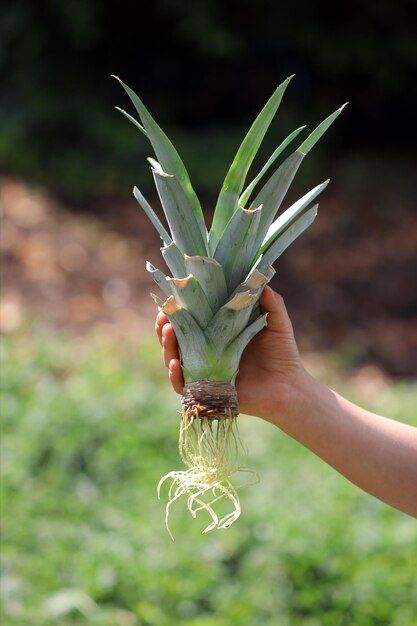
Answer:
[(350, 283)]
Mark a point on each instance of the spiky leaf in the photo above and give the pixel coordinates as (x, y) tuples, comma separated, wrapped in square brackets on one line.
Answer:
[(183, 226), (189, 294), (152, 216), (229, 321), (210, 275), (160, 279), (283, 220), (272, 194), (318, 132), (132, 119), (246, 194), (234, 251), (197, 356), (167, 155), (287, 238), (174, 259), (228, 201), (232, 355)]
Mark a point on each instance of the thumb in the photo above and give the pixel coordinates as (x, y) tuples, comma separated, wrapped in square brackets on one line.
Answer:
[(273, 304)]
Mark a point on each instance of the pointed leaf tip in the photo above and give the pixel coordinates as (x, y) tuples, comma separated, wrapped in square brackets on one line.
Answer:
[(319, 131), (228, 200), (157, 300), (168, 157), (132, 119)]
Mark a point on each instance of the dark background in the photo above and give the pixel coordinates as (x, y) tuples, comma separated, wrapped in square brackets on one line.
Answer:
[(205, 69)]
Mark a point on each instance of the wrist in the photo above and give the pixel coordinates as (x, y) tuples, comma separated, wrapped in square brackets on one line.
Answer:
[(290, 408)]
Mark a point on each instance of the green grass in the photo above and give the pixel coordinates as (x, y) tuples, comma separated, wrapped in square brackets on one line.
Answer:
[(89, 427)]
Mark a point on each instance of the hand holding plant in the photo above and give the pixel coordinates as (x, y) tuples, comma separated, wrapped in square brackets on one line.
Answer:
[(270, 366), (376, 453)]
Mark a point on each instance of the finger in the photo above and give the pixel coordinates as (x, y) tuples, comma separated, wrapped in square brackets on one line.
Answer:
[(175, 375), (273, 304), (160, 322), (169, 344)]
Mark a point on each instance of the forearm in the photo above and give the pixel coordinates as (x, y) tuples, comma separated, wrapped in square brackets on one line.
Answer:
[(379, 455)]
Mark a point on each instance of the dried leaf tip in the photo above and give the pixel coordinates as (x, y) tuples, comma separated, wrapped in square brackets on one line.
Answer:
[(170, 307), (256, 279), (205, 259), (157, 168), (250, 211), (157, 300), (240, 301), (155, 165), (181, 283)]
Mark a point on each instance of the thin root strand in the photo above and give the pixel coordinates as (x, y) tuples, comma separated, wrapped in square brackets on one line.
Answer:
[(209, 448)]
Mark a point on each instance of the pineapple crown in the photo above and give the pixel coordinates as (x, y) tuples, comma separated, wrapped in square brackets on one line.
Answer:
[(218, 274)]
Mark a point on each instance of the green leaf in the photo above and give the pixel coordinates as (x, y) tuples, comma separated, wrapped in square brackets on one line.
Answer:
[(197, 356), (152, 216), (210, 275), (255, 284), (189, 294), (272, 194), (318, 132), (235, 247), (167, 156), (229, 321), (174, 259), (182, 223), (160, 279), (155, 165), (231, 357), (246, 194), (283, 220), (286, 239), (132, 119), (228, 201)]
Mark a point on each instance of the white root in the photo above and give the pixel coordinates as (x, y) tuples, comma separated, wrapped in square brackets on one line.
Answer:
[(209, 448)]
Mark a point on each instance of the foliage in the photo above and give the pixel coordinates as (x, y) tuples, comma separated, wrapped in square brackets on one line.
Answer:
[(89, 427)]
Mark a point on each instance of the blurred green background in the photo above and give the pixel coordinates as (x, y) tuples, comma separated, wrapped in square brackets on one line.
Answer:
[(89, 423)]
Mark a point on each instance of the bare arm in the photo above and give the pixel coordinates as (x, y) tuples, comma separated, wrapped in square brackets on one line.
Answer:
[(379, 455)]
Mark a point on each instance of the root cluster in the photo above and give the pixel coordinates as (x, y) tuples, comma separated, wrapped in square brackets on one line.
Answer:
[(209, 447)]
